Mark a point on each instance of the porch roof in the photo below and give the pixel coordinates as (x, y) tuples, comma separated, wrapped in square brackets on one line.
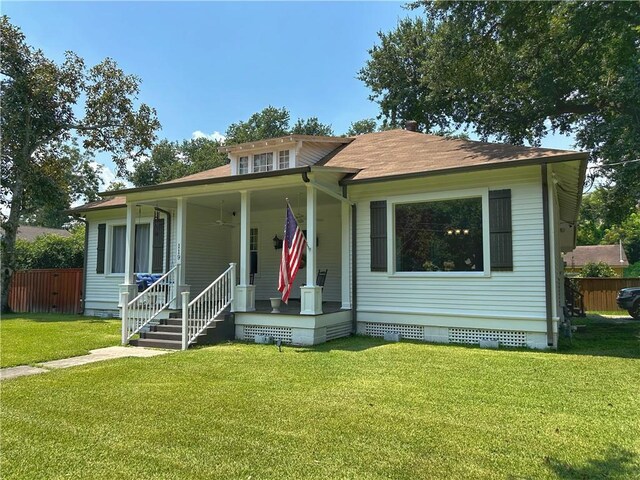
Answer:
[(219, 175)]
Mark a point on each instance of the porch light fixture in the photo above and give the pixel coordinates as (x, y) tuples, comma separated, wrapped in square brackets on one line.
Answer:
[(277, 242)]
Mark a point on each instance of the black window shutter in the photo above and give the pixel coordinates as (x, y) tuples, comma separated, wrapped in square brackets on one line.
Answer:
[(500, 230), (157, 258), (102, 230), (379, 236)]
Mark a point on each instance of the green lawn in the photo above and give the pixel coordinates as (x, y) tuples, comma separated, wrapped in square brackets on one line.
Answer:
[(31, 338), (352, 408)]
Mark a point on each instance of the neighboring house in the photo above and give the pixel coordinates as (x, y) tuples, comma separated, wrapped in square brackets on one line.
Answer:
[(612, 255), (437, 239), (29, 233)]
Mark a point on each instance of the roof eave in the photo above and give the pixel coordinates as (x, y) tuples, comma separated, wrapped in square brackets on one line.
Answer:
[(78, 210), (208, 181)]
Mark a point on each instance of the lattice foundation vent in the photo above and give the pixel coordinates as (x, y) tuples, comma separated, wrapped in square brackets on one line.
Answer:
[(413, 332), (282, 333), (470, 335), (337, 331)]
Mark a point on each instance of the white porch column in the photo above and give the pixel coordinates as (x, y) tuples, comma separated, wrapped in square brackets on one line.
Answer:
[(310, 294), (129, 284), (245, 300), (181, 248), (129, 256), (345, 257)]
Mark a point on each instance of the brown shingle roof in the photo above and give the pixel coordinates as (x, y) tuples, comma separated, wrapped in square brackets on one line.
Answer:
[(218, 172), (389, 154), (609, 254), (402, 152), (29, 233), (104, 204)]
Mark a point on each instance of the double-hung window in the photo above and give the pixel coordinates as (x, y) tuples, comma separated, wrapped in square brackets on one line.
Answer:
[(141, 250), (283, 159), (263, 162), (118, 246), (243, 165)]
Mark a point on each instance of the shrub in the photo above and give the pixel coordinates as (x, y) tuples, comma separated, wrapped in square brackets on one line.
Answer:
[(633, 270), (599, 269), (51, 251)]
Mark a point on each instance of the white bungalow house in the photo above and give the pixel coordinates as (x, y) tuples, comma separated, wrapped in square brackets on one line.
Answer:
[(436, 239)]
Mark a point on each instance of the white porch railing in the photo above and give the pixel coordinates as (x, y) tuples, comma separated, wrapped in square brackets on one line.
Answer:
[(144, 308), (207, 306)]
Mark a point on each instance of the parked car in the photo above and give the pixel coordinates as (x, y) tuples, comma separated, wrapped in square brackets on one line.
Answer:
[(629, 300)]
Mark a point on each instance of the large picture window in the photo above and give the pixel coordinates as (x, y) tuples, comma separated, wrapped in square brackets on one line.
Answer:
[(439, 236)]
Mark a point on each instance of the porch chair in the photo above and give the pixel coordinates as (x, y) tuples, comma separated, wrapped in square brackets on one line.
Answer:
[(322, 276)]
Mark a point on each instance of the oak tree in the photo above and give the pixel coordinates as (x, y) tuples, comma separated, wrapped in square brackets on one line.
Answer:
[(45, 106)]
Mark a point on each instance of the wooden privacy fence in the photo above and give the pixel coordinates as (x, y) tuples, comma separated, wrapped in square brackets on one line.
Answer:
[(600, 293), (46, 291)]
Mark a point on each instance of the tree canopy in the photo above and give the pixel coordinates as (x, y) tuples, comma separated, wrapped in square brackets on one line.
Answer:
[(46, 109), (360, 127), (171, 160), (273, 122), (515, 71)]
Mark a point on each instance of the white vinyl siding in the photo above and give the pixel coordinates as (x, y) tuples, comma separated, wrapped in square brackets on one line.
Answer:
[(207, 251), (520, 293), (312, 152)]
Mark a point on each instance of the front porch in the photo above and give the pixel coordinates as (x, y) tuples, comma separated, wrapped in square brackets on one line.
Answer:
[(242, 227)]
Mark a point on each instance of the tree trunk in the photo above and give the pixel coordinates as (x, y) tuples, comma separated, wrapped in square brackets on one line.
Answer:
[(9, 241)]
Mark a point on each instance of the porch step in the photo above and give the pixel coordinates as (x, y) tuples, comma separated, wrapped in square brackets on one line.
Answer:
[(149, 342), (162, 336), (173, 321), (167, 328), (168, 333)]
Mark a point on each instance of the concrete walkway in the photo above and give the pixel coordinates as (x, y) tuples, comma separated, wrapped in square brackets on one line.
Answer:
[(98, 355)]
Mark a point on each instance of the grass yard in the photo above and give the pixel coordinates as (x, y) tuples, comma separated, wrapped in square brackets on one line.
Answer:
[(30, 338), (352, 408)]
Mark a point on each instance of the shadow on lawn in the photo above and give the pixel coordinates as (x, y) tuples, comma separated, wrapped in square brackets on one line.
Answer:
[(603, 336), (617, 463), (354, 343), (55, 318)]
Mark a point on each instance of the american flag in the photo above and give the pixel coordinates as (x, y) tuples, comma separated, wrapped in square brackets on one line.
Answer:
[(293, 245)]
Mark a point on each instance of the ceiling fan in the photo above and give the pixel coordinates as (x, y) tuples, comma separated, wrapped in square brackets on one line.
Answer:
[(220, 222)]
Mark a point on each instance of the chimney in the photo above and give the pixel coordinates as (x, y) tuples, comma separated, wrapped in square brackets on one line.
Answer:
[(411, 126)]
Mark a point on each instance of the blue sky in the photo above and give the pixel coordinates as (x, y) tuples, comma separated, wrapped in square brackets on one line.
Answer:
[(206, 65)]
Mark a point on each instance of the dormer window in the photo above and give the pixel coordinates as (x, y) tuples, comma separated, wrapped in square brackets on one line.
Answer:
[(243, 165), (283, 159), (263, 162)]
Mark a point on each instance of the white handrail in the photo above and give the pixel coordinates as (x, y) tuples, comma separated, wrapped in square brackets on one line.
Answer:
[(147, 305), (208, 306)]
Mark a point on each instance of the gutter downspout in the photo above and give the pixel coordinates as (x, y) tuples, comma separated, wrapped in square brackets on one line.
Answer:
[(354, 276), (547, 252), (167, 253)]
